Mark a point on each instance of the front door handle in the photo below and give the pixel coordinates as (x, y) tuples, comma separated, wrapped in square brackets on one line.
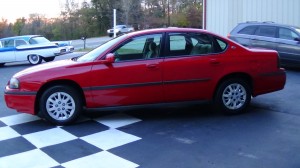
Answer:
[(214, 61)]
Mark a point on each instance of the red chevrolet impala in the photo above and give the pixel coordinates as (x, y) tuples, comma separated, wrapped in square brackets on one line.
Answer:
[(157, 66)]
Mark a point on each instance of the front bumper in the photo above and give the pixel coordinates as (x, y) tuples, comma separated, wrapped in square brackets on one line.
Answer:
[(20, 101)]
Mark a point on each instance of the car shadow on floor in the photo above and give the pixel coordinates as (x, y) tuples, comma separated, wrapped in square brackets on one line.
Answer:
[(172, 113)]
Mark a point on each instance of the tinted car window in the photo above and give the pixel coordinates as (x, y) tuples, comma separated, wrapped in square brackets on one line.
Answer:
[(143, 47), (204, 44), (250, 30), (194, 44), (267, 31), (135, 46), (287, 34), (177, 42), (222, 44)]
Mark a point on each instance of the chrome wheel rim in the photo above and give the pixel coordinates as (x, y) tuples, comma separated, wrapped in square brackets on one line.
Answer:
[(34, 59), (60, 106), (234, 96)]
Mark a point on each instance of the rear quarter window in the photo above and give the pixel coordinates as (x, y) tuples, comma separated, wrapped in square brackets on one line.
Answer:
[(222, 45)]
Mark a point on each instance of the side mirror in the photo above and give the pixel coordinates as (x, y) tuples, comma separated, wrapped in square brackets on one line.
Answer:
[(297, 39), (109, 59)]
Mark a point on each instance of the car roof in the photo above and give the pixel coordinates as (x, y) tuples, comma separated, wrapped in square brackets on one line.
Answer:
[(26, 37), (269, 23), (169, 30)]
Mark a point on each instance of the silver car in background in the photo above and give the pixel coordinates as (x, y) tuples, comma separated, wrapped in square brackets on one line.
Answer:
[(284, 39)]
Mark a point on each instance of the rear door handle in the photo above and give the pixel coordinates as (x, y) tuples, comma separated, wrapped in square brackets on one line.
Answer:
[(152, 66), (214, 61)]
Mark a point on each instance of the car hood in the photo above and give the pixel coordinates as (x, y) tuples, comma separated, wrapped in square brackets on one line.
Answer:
[(46, 66)]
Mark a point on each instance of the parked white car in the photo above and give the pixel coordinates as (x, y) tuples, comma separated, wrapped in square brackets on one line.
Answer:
[(65, 46), (33, 48), (120, 29)]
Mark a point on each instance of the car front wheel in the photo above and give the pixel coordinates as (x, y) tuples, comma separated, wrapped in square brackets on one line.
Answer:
[(233, 96), (60, 105), (34, 59)]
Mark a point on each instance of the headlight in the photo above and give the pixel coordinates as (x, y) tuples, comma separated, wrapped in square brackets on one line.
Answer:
[(14, 83)]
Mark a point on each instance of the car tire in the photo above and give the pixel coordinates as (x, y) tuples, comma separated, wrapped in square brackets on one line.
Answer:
[(61, 105), (48, 59), (34, 59), (232, 96)]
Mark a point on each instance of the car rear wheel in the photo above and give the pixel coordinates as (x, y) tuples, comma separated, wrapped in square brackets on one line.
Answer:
[(34, 59), (233, 96), (61, 105), (48, 59)]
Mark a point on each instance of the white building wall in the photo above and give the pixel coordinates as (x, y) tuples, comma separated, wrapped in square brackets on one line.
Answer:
[(223, 15)]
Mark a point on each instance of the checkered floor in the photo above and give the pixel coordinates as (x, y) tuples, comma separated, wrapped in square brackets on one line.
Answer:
[(28, 141)]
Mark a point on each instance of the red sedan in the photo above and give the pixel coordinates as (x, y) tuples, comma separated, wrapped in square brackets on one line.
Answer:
[(157, 66)]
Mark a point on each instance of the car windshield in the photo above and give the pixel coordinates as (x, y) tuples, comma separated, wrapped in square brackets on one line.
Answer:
[(38, 40), (92, 55)]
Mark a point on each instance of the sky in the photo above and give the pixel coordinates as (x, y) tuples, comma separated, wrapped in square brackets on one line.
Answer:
[(13, 9)]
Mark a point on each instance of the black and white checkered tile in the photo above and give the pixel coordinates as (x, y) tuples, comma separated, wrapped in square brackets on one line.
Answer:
[(28, 141)]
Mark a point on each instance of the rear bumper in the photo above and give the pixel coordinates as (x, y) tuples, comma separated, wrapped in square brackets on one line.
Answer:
[(20, 101), (269, 82)]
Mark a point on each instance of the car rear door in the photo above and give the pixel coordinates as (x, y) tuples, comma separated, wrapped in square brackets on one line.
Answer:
[(132, 79), (189, 67), (288, 48), (265, 37)]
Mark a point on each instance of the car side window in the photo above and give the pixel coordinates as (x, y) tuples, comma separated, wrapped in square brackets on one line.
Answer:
[(142, 47), (287, 34), (179, 44), (221, 44), (204, 44), (20, 42), (266, 31), (190, 44), (8, 43), (250, 30)]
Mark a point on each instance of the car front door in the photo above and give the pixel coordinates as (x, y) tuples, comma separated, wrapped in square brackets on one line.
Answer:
[(189, 66), (288, 48), (133, 79)]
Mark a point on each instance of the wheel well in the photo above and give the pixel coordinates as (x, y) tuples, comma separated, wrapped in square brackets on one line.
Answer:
[(243, 76), (68, 83)]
